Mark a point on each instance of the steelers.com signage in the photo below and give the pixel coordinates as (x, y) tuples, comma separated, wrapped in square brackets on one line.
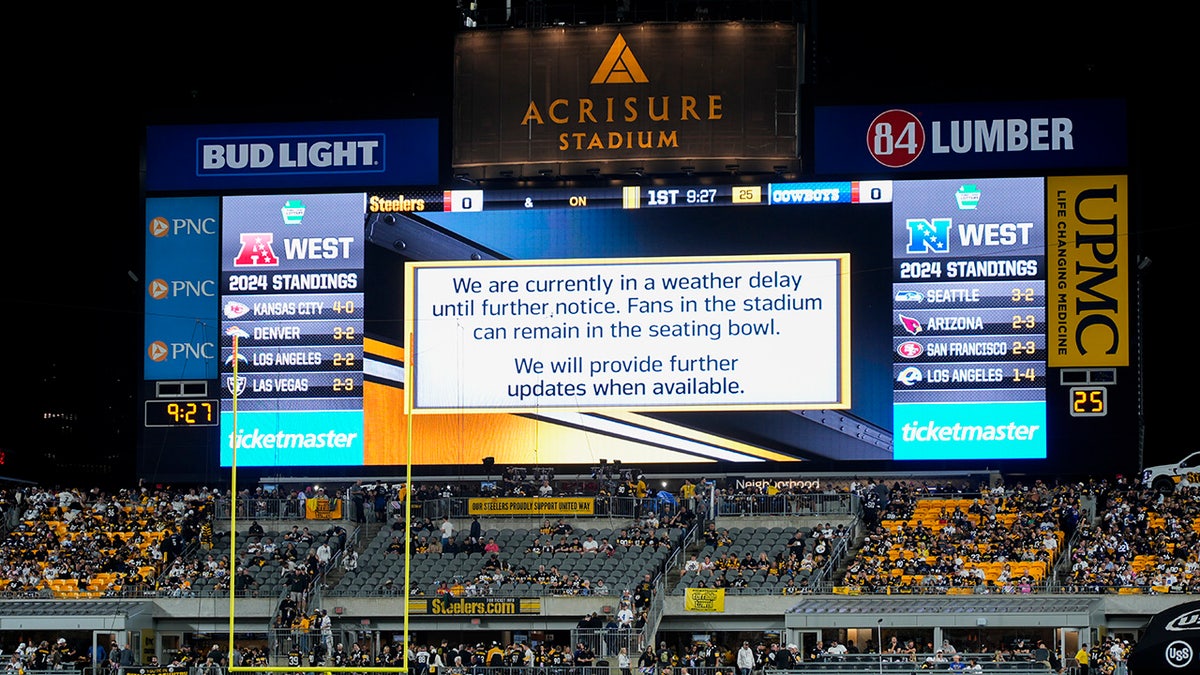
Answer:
[(474, 606), (1025, 135), (623, 98)]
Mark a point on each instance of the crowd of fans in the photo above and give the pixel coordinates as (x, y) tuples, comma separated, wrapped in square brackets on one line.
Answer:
[(1143, 540), (918, 549), (536, 560), (913, 537), (1101, 536), (62, 654), (73, 543), (793, 561), (310, 643)]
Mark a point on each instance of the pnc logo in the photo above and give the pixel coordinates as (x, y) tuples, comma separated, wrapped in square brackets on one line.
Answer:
[(619, 66), (159, 227), (158, 289), (157, 351)]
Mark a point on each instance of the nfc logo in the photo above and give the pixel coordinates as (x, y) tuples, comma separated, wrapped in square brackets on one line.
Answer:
[(928, 236)]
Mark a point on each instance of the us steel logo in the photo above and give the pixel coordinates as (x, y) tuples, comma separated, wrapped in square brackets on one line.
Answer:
[(1178, 654)]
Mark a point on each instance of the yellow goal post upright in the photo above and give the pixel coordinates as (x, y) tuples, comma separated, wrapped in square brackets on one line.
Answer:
[(233, 504)]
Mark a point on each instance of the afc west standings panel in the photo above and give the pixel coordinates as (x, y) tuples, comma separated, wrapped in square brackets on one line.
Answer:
[(292, 296)]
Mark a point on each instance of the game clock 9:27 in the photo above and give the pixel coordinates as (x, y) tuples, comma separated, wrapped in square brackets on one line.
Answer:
[(197, 412)]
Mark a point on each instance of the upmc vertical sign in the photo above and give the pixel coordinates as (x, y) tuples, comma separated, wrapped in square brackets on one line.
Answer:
[(1089, 239)]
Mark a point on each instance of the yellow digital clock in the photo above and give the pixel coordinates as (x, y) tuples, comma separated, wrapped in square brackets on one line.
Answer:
[(193, 412), (1089, 401)]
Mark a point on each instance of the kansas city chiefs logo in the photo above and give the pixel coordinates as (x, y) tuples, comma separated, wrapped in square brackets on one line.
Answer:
[(235, 310)]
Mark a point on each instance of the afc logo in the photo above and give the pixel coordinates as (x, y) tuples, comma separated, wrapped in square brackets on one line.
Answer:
[(256, 250)]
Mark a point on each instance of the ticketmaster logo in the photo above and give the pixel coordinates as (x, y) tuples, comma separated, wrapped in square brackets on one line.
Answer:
[(255, 439), (932, 432)]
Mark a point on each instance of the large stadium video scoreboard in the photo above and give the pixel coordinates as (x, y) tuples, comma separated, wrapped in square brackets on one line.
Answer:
[(726, 319)]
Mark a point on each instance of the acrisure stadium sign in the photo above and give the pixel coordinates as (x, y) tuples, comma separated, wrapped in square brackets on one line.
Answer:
[(661, 97)]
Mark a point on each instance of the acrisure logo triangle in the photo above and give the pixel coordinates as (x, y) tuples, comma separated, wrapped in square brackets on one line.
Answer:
[(619, 66)]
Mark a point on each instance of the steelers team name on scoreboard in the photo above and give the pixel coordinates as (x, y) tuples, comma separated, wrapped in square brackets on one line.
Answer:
[(637, 196)]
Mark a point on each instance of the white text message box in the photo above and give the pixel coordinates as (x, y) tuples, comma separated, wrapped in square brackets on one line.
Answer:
[(769, 332)]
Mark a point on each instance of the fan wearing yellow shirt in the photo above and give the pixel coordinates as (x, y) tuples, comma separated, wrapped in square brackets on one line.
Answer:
[(639, 488), (687, 490)]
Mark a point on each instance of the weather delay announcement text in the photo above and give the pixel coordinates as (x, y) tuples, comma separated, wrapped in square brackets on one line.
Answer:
[(647, 334)]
